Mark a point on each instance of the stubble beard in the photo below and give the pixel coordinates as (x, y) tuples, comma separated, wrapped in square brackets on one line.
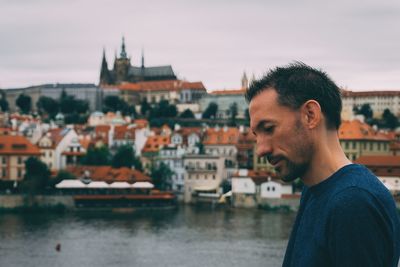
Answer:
[(303, 150)]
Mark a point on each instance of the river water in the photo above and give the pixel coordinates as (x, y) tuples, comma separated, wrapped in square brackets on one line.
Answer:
[(187, 236)]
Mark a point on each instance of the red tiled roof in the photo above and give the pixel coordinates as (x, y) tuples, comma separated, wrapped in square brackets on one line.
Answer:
[(229, 92), (258, 177), (55, 136), (356, 130), (246, 140), (227, 136), (346, 93), (393, 161), (5, 130), (85, 142), (74, 153), (109, 174), (165, 85), (395, 146), (124, 132), (101, 132), (17, 145), (381, 166), (155, 143)]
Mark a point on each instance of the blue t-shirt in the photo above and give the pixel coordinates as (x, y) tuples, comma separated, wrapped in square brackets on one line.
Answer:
[(349, 219)]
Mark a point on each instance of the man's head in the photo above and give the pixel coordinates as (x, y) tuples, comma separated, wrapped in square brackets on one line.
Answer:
[(288, 108)]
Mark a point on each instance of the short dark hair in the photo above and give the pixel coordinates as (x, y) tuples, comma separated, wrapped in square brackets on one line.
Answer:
[(297, 83)]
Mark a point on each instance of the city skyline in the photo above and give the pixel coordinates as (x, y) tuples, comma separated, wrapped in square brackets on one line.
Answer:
[(210, 41)]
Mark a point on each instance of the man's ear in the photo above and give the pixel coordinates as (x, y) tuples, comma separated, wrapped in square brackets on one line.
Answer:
[(311, 114)]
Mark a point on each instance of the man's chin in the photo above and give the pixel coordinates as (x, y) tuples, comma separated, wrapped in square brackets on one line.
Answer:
[(286, 177)]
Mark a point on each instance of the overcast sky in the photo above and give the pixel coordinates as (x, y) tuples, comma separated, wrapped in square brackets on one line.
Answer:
[(213, 41)]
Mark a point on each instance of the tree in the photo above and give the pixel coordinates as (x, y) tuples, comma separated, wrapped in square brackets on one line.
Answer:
[(67, 103), (163, 110), (161, 175), (125, 157), (97, 156), (172, 111), (145, 108), (233, 111), (389, 119), (81, 106), (247, 117), (36, 176), (24, 102), (61, 175), (187, 114), (48, 105), (200, 147), (226, 186), (115, 103), (211, 111), (3, 104), (365, 110)]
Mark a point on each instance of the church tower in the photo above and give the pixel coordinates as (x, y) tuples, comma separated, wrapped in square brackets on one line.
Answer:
[(123, 71), (121, 65), (245, 81), (105, 77)]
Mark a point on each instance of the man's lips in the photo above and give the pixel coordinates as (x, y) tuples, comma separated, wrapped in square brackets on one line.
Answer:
[(274, 160)]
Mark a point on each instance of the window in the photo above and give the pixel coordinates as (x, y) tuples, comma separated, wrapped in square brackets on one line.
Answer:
[(19, 161), (267, 188), (19, 173), (4, 172), (4, 160)]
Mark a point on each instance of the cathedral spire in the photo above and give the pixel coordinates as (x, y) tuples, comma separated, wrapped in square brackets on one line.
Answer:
[(142, 57), (123, 52), (104, 72), (104, 60), (245, 81)]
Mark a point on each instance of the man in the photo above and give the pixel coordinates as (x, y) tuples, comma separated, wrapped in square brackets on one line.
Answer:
[(346, 216)]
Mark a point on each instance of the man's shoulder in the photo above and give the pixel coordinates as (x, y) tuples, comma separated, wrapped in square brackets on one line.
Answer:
[(358, 180)]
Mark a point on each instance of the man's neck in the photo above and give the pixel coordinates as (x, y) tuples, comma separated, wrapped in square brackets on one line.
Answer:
[(328, 158)]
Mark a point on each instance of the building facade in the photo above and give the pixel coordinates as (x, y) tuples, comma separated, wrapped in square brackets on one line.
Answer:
[(224, 99), (14, 151), (378, 100), (203, 176)]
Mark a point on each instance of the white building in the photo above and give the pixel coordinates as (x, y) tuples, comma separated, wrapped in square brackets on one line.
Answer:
[(222, 142), (250, 187), (224, 99), (203, 177), (378, 100), (53, 144), (187, 138), (172, 156)]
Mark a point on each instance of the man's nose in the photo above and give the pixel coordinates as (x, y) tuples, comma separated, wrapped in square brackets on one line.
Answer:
[(264, 147)]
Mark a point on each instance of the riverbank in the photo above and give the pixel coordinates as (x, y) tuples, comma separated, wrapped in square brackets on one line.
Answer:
[(63, 203)]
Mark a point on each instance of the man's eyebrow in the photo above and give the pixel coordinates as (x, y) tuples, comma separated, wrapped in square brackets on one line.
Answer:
[(260, 125)]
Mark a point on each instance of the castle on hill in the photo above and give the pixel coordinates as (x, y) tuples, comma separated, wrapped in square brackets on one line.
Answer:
[(124, 71)]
